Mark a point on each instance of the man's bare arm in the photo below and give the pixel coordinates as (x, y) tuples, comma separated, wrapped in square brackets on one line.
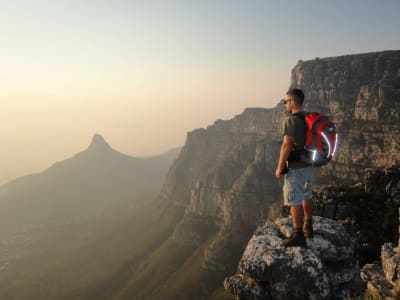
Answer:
[(286, 148)]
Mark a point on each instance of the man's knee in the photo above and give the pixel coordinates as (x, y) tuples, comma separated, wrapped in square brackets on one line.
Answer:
[(296, 209)]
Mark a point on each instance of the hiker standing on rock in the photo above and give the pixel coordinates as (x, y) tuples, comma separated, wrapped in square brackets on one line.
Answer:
[(298, 175)]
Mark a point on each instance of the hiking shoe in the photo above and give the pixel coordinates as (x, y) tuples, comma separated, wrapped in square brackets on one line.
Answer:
[(308, 229), (296, 239)]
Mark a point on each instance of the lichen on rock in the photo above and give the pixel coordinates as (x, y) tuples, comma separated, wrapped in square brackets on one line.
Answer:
[(325, 269)]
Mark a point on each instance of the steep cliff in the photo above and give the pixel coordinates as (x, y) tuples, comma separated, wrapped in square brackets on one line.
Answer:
[(225, 172), (222, 185), (362, 94)]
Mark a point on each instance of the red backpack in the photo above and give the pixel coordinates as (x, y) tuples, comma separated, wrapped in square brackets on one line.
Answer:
[(321, 139)]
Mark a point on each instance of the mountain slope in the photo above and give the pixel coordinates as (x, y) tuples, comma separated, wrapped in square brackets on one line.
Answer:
[(76, 223), (97, 181)]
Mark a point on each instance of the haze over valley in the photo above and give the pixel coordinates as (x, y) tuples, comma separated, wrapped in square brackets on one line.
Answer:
[(139, 138), (49, 219)]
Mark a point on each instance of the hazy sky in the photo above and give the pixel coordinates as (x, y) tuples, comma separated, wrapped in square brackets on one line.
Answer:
[(144, 73)]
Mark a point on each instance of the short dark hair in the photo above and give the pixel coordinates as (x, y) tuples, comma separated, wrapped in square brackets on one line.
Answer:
[(297, 94)]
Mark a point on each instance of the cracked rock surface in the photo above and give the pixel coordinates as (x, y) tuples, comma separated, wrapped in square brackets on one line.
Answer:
[(325, 269)]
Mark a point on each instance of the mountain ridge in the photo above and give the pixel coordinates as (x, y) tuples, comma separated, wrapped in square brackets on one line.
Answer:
[(99, 172), (100, 146)]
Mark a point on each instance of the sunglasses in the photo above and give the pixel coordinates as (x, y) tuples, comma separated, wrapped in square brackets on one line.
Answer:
[(286, 101)]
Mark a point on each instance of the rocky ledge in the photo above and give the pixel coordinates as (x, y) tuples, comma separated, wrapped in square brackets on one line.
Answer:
[(325, 269), (383, 277)]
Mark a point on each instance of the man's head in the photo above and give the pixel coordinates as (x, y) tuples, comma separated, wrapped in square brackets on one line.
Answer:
[(294, 100)]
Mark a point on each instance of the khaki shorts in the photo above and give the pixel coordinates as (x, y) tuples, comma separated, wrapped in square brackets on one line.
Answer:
[(298, 186)]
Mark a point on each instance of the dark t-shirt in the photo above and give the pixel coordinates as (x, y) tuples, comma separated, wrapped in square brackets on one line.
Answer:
[(294, 126)]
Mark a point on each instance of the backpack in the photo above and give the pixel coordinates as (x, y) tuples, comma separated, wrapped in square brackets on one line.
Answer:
[(321, 139)]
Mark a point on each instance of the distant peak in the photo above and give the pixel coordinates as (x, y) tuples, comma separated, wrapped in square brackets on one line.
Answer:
[(98, 142)]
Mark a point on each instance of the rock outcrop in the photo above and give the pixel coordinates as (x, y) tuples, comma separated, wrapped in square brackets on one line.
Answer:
[(377, 285), (364, 221), (391, 264), (326, 269), (368, 209), (383, 278)]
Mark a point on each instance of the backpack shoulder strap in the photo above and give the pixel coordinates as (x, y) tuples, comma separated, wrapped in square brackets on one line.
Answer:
[(301, 114)]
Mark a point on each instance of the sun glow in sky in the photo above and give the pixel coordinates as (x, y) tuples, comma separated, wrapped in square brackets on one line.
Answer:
[(144, 73)]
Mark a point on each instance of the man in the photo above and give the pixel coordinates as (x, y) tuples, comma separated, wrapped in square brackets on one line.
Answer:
[(297, 188)]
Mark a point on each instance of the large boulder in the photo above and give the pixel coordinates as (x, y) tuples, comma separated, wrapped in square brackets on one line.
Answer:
[(376, 284), (390, 259), (325, 269)]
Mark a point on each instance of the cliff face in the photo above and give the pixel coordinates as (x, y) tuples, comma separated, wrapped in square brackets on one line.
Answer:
[(362, 94), (222, 185), (223, 173)]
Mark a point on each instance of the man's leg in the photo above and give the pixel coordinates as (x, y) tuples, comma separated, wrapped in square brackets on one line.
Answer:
[(308, 224), (307, 203), (297, 237), (297, 217), (293, 199), (307, 208)]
